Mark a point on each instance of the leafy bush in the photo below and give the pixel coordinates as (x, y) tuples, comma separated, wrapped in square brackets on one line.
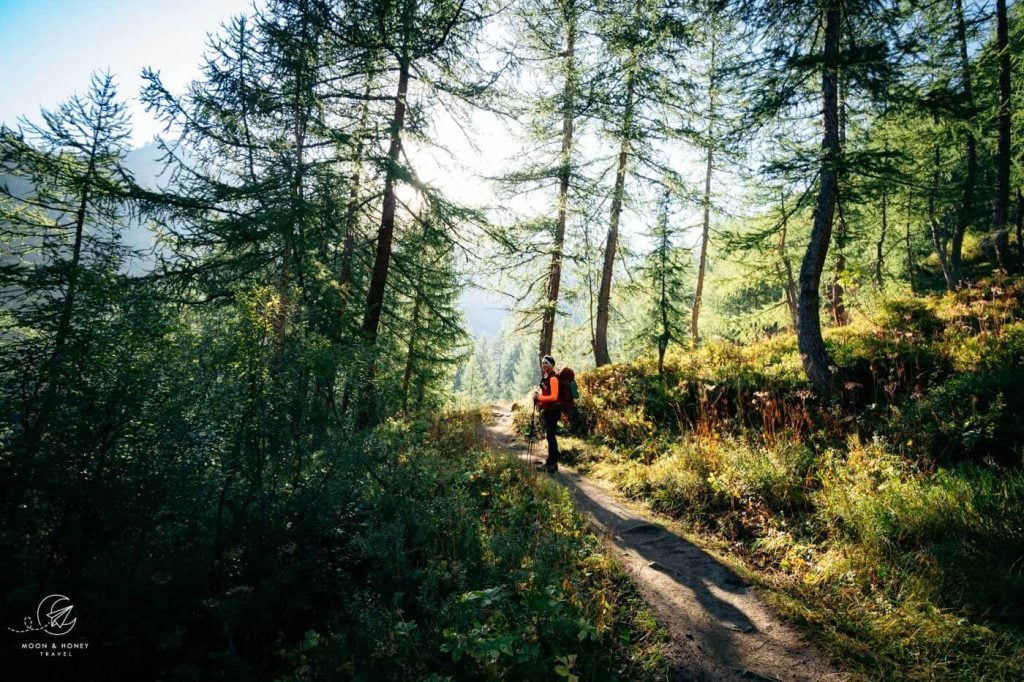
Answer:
[(472, 568), (970, 415), (914, 317)]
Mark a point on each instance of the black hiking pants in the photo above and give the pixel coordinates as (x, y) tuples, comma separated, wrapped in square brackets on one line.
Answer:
[(550, 427)]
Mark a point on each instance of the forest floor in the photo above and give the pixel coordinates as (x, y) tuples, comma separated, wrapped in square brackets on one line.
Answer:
[(720, 627)]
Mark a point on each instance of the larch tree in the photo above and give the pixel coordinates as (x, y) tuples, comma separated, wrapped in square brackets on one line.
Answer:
[(965, 214), (642, 95), (801, 41), (1001, 191), (429, 318), (816, 360), (664, 282), (426, 44), (717, 138), (426, 55), (61, 234), (552, 99), (569, 14)]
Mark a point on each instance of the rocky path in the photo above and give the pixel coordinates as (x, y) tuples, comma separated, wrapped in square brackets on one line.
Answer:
[(720, 628)]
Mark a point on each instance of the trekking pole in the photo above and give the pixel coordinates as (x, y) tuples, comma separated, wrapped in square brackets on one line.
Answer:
[(533, 434)]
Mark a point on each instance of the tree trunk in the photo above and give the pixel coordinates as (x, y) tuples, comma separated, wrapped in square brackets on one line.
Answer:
[(966, 211), (704, 238), (411, 352), (835, 287), (67, 307), (840, 316), (293, 227), (791, 292), (349, 244), (345, 280), (910, 250), (369, 411), (1000, 209), (1020, 225), (568, 116), (601, 356), (880, 245), (385, 235), (666, 331), (939, 238), (816, 361), (662, 347), (706, 199), (352, 210)]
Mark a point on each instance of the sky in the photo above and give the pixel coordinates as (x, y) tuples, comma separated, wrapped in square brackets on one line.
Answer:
[(49, 48)]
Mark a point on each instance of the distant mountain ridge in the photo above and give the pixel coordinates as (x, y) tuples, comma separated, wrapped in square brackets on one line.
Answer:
[(144, 165)]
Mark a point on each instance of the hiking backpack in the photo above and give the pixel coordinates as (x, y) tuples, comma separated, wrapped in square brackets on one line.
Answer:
[(568, 391)]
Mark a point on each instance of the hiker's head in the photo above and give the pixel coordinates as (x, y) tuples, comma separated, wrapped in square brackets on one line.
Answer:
[(547, 364)]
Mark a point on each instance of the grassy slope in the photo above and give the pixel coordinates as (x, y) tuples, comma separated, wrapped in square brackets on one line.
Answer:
[(891, 525)]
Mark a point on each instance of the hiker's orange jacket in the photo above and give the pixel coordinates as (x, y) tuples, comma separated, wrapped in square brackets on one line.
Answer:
[(548, 397)]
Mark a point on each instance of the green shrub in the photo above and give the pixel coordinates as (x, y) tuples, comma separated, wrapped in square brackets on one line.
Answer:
[(470, 567), (681, 486), (774, 477), (913, 317), (862, 492), (969, 416)]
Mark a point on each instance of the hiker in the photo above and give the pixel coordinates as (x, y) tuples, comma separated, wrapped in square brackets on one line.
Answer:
[(547, 399)]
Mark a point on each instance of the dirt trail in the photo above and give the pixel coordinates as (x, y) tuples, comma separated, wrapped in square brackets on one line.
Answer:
[(720, 628)]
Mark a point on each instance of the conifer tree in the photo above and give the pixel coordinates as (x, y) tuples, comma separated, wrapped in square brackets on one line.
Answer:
[(552, 52), (429, 44), (424, 55), (719, 135), (820, 40), (61, 238), (641, 101), (663, 279), (429, 318), (945, 117), (1001, 199), (966, 212)]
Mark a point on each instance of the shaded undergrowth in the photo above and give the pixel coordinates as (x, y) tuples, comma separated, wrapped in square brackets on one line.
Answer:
[(408, 552), (472, 568)]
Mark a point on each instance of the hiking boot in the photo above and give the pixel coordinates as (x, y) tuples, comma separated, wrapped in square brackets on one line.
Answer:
[(541, 466)]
